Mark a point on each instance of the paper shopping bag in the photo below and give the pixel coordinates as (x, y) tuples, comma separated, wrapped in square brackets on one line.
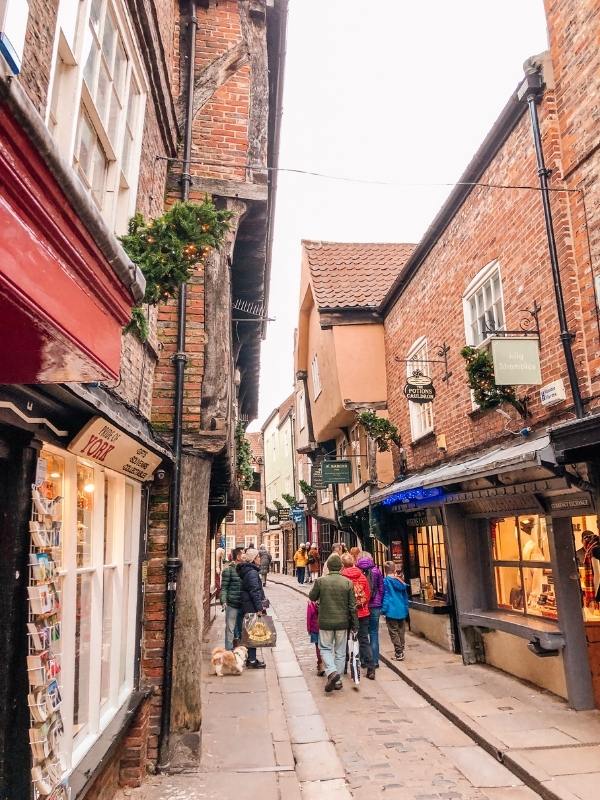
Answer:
[(354, 654), (258, 631)]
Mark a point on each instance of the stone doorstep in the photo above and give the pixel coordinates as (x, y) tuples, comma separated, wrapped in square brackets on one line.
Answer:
[(548, 787)]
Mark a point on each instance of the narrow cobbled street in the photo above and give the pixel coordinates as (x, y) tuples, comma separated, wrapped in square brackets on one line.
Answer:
[(276, 734)]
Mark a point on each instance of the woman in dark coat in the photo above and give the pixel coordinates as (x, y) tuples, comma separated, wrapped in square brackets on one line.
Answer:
[(253, 596)]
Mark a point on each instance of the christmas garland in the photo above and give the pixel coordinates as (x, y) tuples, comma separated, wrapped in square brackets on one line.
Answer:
[(166, 250), (480, 378), (307, 490), (380, 429), (245, 473)]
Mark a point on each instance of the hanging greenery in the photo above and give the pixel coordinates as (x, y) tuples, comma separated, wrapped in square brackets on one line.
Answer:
[(261, 517), (379, 429), (480, 378), (167, 248), (245, 473), (271, 513), (307, 490), (290, 500), (278, 505)]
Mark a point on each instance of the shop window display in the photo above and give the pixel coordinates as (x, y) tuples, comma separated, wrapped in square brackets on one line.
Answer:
[(587, 550), (521, 558), (86, 519), (427, 554)]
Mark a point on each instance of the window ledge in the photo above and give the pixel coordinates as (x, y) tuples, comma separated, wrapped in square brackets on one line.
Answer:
[(546, 631), (424, 437), (84, 774), (430, 606)]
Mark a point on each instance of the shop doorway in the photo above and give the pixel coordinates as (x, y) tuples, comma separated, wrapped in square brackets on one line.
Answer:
[(587, 551)]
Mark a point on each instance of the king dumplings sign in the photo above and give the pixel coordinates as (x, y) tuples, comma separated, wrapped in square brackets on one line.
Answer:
[(516, 361), (419, 388)]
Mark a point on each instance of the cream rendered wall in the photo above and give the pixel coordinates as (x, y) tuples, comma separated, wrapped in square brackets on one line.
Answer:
[(278, 458), (327, 406), (360, 358)]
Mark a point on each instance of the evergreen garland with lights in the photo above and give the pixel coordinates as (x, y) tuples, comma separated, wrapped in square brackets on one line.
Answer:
[(167, 248), (245, 473), (380, 429), (480, 378)]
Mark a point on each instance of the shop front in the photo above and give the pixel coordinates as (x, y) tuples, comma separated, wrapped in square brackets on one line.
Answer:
[(416, 541), (75, 498), (518, 562)]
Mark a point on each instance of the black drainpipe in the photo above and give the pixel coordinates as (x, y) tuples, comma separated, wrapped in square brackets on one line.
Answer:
[(532, 90), (179, 361)]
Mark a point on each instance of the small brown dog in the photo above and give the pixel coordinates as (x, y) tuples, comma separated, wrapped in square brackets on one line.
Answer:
[(229, 662)]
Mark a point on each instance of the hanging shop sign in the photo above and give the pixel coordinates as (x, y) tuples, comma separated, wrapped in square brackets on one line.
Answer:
[(316, 478), (339, 471), (105, 444), (297, 515), (419, 388), (283, 514), (516, 361), (563, 506)]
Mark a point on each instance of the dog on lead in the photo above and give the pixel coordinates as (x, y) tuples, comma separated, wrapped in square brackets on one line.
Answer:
[(229, 662)]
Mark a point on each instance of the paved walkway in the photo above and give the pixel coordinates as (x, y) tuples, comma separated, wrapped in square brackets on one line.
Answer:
[(532, 732), (275, 734)]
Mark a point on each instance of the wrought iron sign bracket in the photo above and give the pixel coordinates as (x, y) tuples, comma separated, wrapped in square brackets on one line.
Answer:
[(529, 325), (441, 352)]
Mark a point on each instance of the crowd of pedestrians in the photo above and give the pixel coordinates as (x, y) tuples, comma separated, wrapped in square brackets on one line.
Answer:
[(348, 600)]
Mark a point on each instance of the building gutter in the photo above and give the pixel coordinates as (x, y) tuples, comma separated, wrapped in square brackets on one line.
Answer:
[(179, 360), (273, 156), (21, 108), (509, 117)]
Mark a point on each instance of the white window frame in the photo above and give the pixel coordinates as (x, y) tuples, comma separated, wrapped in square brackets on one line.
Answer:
[(316, 376), (250, 515), (301, 410), (250, 539), (70, 98), (483, 278), (421, 414), (75, 746), (230, 543)]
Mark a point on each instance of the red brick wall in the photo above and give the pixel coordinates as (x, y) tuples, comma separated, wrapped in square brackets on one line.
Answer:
[(241, 529), (37, 55), (502, 224), (574, 33), (221, 127)]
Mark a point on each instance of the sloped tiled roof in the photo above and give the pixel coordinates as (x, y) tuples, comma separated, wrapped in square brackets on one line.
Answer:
[(353, 274), (256, 444), (286, 407)]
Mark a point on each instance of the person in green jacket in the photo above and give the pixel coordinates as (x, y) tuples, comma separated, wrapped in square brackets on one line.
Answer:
[(231, 599), (337, 615)]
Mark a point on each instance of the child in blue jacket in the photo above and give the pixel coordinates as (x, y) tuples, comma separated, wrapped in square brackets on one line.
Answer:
[(395, 608)]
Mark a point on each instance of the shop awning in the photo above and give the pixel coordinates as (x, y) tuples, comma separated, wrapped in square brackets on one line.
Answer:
[(530, 453), (66, 285)]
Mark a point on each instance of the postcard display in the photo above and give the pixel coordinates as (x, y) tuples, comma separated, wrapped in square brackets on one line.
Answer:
[(44, 633)]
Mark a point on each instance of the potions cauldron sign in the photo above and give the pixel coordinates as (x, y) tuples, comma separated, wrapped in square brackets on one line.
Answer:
[(419, 388)]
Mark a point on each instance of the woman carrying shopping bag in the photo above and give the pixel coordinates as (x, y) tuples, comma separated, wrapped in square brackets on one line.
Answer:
[(253, 597)]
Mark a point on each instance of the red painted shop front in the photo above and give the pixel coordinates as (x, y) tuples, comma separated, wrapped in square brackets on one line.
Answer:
[(62, 307)]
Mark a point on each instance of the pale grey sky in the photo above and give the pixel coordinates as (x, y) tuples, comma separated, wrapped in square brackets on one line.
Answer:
[(392, 90)]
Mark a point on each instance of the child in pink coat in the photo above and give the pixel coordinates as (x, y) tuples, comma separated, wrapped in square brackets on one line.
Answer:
[(312, 626)]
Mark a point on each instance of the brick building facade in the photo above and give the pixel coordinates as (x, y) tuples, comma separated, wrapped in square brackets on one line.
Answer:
[(100, 98), (242, 527), (484, 491)]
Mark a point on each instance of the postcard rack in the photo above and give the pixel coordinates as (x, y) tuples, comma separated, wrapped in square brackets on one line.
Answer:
[(46, 728)]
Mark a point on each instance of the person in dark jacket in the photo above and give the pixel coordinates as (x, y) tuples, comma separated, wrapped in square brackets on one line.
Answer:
[(337, 615), (395, 608), (265, 563), (231, 600), (252, 596), (375, 580)]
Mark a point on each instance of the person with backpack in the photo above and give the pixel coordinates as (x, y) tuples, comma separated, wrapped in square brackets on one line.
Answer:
[(362, 594), (395, 608), (374, 578), (337, 615)]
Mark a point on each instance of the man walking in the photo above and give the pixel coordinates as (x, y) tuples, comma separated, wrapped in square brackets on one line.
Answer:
[(231, 599), (265, 563), (337, 615)]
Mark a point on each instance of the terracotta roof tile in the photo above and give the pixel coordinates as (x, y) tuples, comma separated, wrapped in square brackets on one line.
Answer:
[(353, 274)]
